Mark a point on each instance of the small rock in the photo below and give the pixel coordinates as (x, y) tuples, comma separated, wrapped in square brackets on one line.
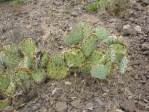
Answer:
[(99, 110), (138, 29), (76, 103), (61, 107), (146, 52), (67, 83), (128, 30), (99, 102), (145, 2), (145, 46), (89, 106), (119, 110), (128, 105), (74, 14)]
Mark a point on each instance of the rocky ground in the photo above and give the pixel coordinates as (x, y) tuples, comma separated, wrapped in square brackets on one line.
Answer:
[(46, 21)]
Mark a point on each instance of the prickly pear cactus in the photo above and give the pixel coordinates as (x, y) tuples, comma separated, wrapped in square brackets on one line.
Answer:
[(4, 104), (123, 65), (56, 71), (28, 47), (87, 30), (75, 35), (10, 56), (4, 83), (96, 58), (101, 33), (58, 59), (11, 89), (27, 63), (39, 76), (18, 62), (89, 45), (23, 80), (74, 57), (101, 71), (117, 52), (44, 59), (23, 75)]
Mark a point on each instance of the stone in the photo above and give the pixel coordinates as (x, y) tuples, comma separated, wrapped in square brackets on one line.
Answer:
[(99, 102), (128, 30), (68, 83), (89, 106), (61, 107), (74, 14), (128, 106), (145, 46), (119, 110), (138, 29)]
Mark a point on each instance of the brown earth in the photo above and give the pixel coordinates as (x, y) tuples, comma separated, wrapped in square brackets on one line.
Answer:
[(46, 21)]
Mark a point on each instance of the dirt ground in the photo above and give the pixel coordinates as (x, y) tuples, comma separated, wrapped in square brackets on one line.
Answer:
[(46, 21)]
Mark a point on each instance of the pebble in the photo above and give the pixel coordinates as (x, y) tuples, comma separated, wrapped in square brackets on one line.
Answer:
[(74, 14), (138, 29), (76, 103), (119, 110), (61, 107), (128, 30), (68, 83), (89, 106), (145, 46), (99, 102), (128, 105)]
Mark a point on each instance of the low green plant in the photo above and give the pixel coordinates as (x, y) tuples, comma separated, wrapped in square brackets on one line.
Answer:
[(18, 63), (98, 62), (16, 2), (112, 6)]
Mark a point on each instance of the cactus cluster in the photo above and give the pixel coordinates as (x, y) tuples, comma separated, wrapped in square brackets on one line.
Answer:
[(92, 60), (18, 67), (21, 66)]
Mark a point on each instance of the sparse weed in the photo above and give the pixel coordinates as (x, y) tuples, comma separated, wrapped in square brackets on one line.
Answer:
[(114, 7)]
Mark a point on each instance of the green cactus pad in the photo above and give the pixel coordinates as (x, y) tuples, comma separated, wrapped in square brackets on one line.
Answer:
[(28, 47), (11, 89), (101, 33), (4, 104), (4, 83), (39, 76), (2, 63), (96, 58), (27, 63), (44, 59), (87, 30), (86, 67), (89, 45), (23, 75), (123, 65), (74, 57), (117, 52), (23, 80), (10, 56), (111, 40), (100, 71), (58, 59), (57, 72), (75, 35)]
